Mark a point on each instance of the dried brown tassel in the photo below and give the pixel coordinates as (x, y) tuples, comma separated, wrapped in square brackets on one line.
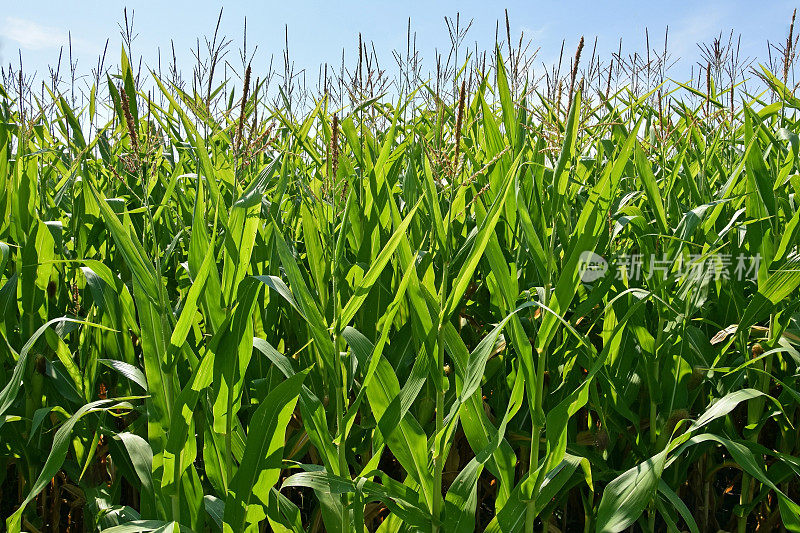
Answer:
[(558, 98), (126, 110), (245, 92), (787, 54), (334, 151), (574, 72), (459, 123), (253, 130)]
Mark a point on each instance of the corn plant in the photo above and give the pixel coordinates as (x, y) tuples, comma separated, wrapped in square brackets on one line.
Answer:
[(242, 314)]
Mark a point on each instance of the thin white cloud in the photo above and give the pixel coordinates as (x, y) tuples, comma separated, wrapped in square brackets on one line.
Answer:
[(29, 35), (706, 23), (537, 34)]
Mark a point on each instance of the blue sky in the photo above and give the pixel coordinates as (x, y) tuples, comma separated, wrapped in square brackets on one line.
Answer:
[(319, 30)]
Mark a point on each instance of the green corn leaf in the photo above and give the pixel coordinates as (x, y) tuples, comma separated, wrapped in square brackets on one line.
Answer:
[(375, 269), (263, 454), (485, 232), (58, 453)]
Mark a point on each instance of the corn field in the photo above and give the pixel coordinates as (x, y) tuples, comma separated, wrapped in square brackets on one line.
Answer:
[(469, 302)]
